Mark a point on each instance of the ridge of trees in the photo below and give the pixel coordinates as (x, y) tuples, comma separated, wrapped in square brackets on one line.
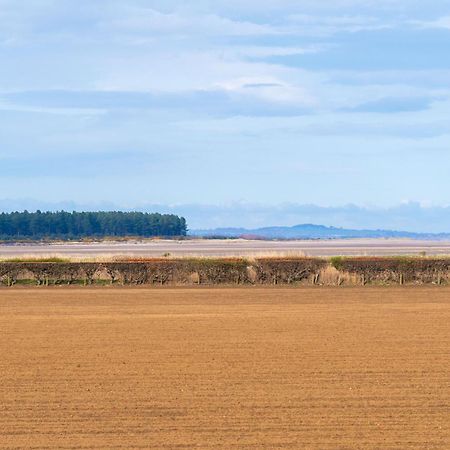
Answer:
[(75, 225)]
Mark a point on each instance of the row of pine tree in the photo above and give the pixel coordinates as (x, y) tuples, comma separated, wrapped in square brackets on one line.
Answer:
[(76, 225)]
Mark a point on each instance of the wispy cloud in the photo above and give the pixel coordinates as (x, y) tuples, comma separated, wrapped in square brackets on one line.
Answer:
[(282, 99), (440, 23), (152, 22), (329, 25)]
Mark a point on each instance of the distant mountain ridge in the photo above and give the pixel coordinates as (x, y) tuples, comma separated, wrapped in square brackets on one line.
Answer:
[(311, 231)]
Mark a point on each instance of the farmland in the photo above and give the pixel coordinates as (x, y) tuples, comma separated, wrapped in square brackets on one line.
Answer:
[(313, 368)]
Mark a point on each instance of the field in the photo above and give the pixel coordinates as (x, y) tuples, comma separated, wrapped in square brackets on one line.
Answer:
[(246, 368)]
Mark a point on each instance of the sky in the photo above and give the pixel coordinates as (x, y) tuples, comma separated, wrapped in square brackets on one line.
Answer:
[(279, 102)]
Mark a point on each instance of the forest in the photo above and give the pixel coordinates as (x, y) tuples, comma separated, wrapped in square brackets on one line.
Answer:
[(75, 225)]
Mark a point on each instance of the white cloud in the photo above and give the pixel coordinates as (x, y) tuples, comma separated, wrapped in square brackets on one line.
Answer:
[(242, 51), (328, 25), (442, 22), (151, 22), (65, 111)]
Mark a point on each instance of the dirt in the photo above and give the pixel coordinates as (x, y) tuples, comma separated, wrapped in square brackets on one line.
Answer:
[(246, 368)]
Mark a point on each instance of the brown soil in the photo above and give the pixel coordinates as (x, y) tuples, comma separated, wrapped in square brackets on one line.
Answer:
[(225, 368)]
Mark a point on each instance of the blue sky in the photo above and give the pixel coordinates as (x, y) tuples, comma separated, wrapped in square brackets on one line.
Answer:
[(140, 102)]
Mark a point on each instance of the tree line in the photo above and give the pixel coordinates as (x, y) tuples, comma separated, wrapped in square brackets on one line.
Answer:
[(76, 225)]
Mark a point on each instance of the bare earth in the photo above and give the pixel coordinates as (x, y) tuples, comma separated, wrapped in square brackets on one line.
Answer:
[(244, 368), (223, 248)]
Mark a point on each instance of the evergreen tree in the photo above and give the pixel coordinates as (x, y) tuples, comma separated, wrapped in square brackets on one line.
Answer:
[(76, 225)]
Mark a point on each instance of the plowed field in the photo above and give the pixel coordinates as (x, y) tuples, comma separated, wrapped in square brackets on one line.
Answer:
[(225, 368)]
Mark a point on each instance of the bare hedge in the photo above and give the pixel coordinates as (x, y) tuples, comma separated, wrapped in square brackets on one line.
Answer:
[(238, 271)]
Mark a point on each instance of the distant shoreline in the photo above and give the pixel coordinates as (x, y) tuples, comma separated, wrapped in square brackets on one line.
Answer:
[(227, 248)]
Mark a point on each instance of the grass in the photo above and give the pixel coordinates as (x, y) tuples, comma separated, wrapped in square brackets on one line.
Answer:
[(52, 259), (335, 261)]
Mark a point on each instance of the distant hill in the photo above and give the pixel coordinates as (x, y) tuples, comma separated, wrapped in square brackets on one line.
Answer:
[(311, 231)]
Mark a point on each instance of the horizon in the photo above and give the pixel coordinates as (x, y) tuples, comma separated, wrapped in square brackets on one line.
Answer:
[(408, 217)]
